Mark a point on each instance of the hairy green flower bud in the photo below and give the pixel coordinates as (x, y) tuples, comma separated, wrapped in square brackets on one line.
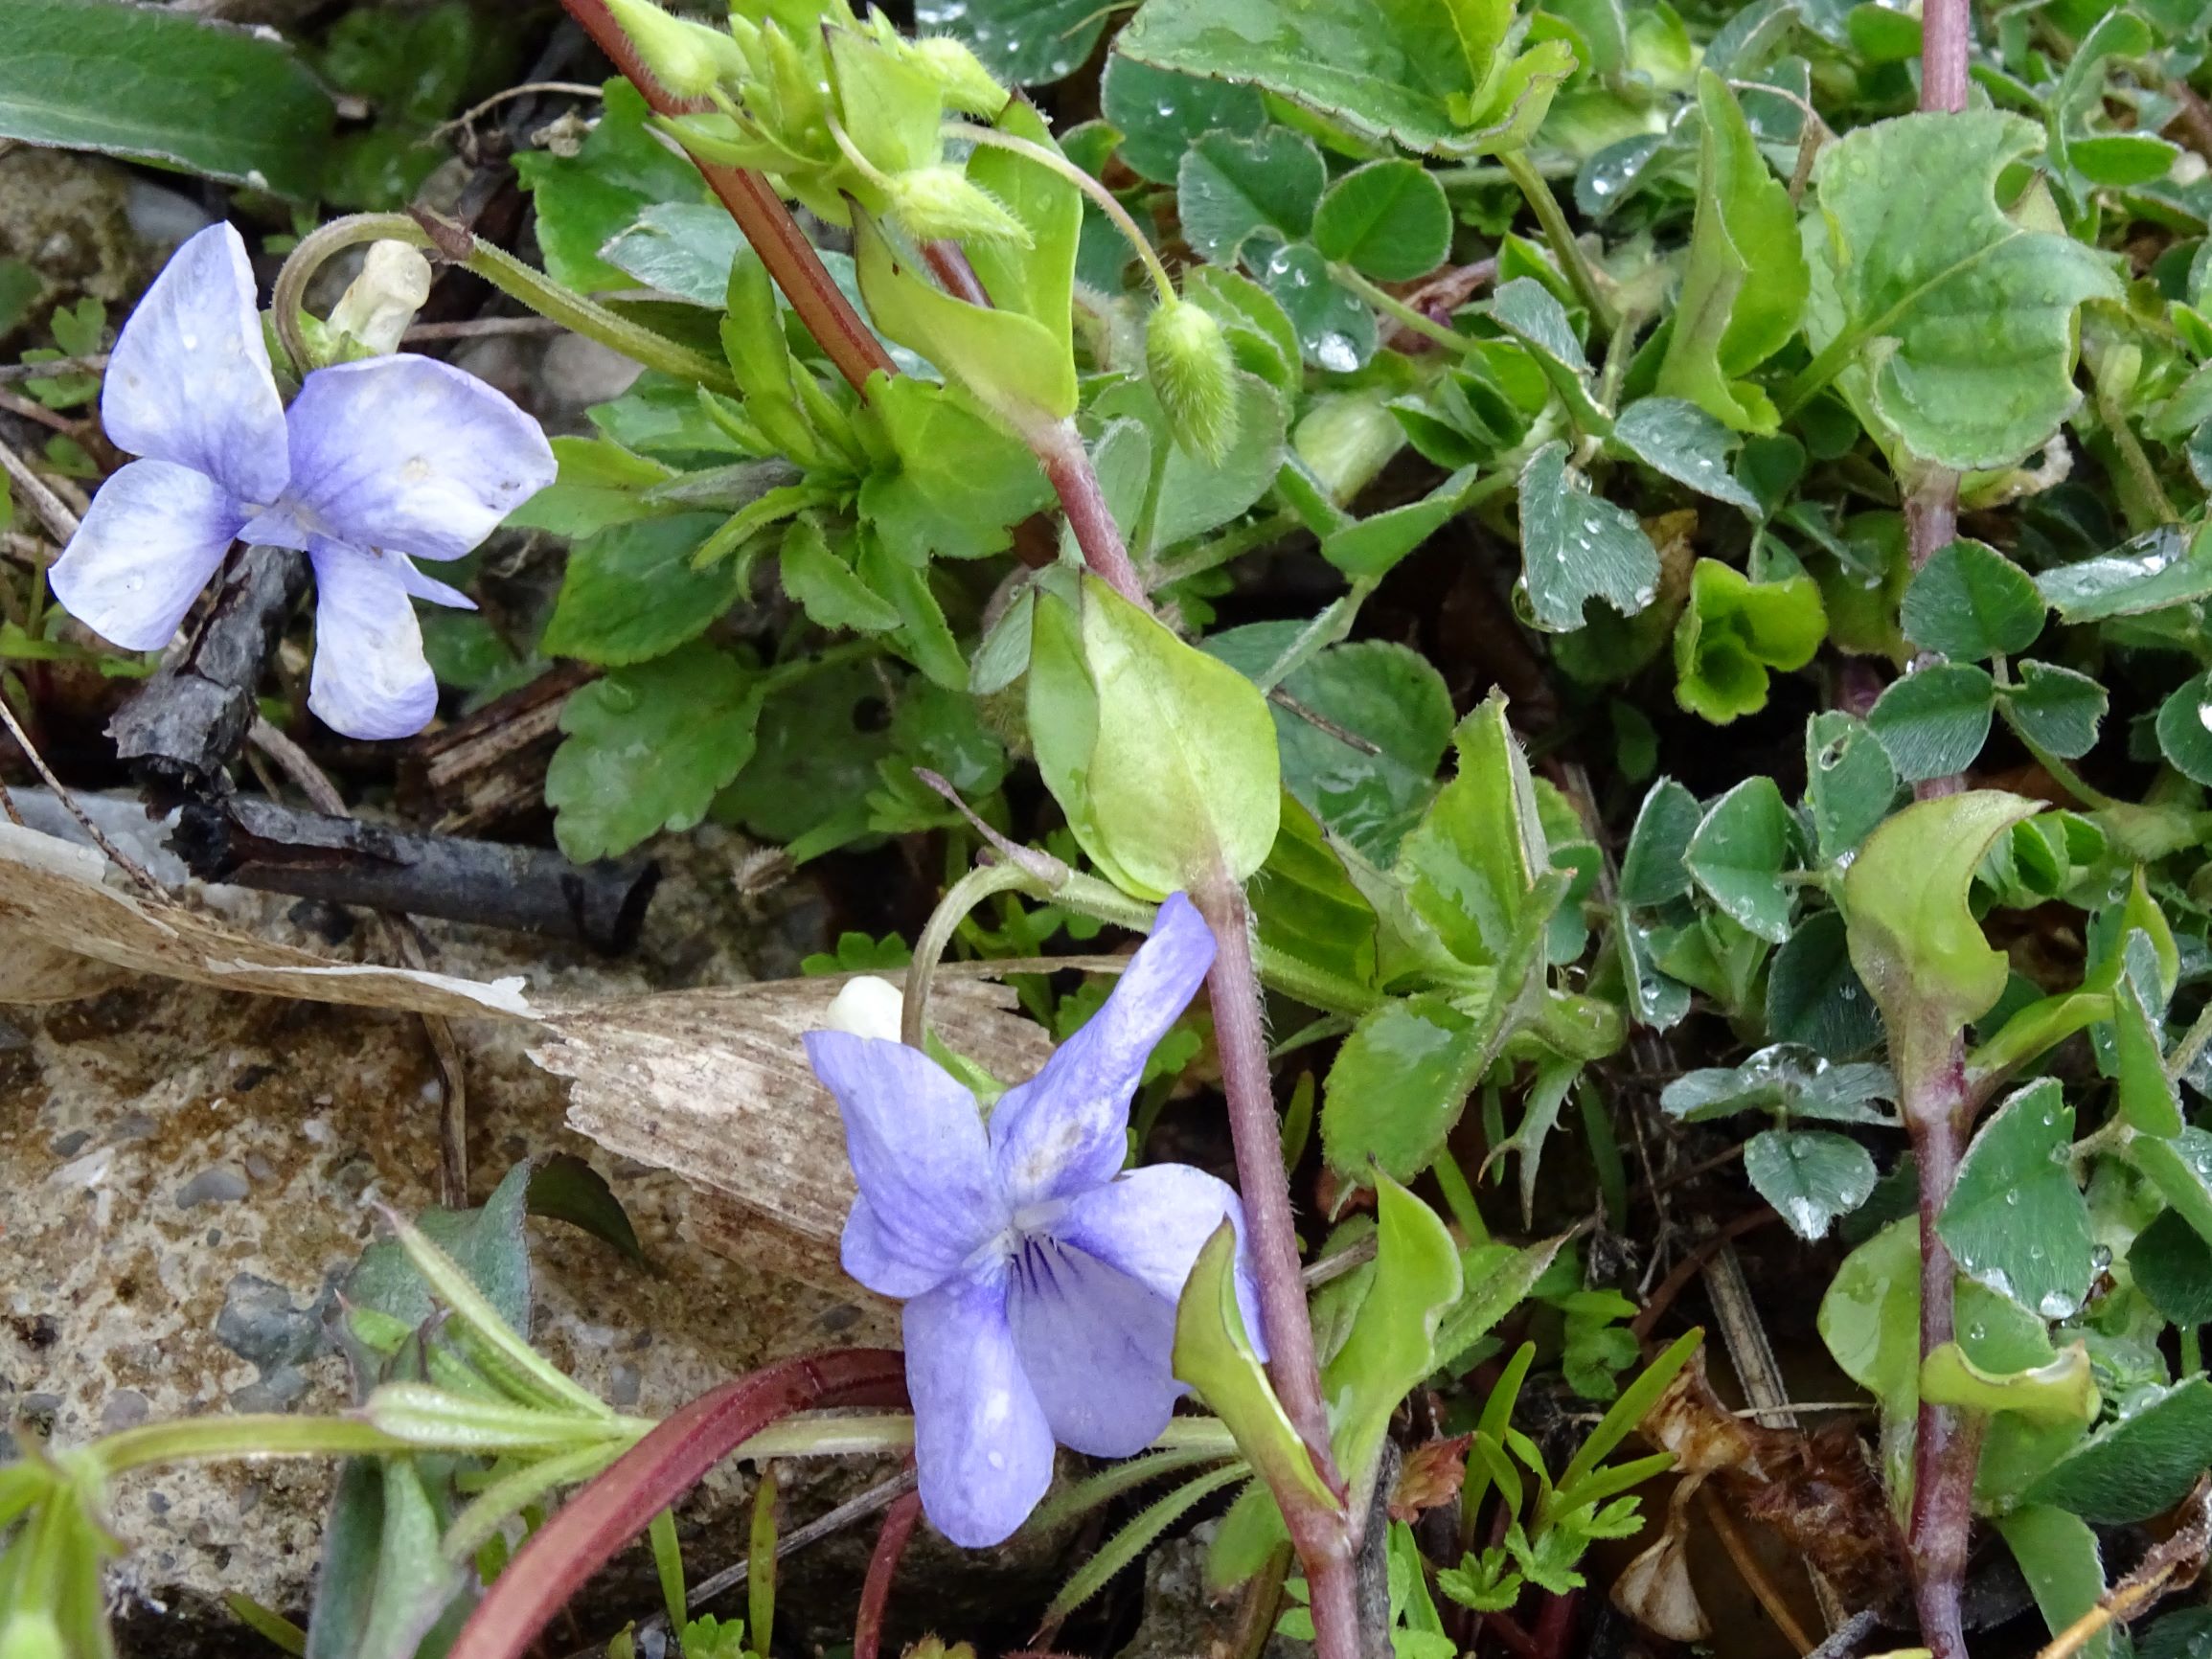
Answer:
[(941, 201), (688, 58), (1192, 372), (962, 80)]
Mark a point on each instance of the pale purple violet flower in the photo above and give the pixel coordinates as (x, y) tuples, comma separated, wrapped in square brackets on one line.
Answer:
[(1041, 1282), (374, 462)]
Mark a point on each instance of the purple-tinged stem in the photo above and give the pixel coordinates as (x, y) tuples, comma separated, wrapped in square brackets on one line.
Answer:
[(882, 1567), (1325, 1547), (1068, 468), (761, 214), (1938, 1113), (948, 262), (1944, 26)]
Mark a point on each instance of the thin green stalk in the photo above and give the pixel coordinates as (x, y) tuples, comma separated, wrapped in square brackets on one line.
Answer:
[(1459, 1198), (1399, 312), (243, 1435), (979, 884), (1234, 544), (2138, 465), (1564, 248), (2062, 774), (1104, 198), (503, 271)]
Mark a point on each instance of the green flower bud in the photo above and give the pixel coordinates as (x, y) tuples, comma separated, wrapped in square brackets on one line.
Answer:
[(941, 201), (688, 58), (962, 80), (1192, 372)]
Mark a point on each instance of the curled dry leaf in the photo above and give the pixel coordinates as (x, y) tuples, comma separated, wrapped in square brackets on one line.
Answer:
[(1819, 1491), (1655, 1589), (66, 931)]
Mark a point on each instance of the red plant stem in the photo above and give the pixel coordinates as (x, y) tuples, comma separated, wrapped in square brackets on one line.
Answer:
[(1068, 468), (761, 214), (948, 262), (1944, 26), (664, 1466), (1327, 1547), (882, 1567), (1938, 1113)]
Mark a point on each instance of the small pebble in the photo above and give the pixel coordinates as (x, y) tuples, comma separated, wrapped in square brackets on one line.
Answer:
[(220, 1185)]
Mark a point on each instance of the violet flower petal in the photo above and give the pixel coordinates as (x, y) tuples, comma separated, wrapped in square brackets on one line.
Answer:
[(1150, 1224), (919, 1153), (1096, 1344), (370, 679), (189, 379), (1066, 1129), (410, 454), (154, 534), (982, 1448), (426, 587), (871, 1255)]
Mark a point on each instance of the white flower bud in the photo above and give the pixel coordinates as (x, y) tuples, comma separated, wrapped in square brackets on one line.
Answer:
[(375, 311), (867, 1007)]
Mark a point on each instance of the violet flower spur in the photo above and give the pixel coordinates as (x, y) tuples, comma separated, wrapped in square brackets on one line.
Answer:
[(376, 464), (1041, 1281)]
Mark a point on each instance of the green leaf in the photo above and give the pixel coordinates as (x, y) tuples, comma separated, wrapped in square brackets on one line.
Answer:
[(647, 749), (564, 1187), (1180, 780), (960, 482), (2057, 709), (632, 591), (924, 637), (1734, 630), (1307, 907), (1812, 1176), (1675, 436), (383, 1575), (1934, 721), (1576, 547), (1388, 221), (2171, 1263), (2148, 1100), (584, 200), (1160, 113), (1725, 322), (1497, 1279), (1969, 602), (824, 586), (2059, 1557), (1259, 331), (1371, 547), (1228, 187), (1913, 941), (1529, 311), (1215, 1356), (1014, 365), (1959, 316), (1653, 868), (2146, 1462), (2016, 1220), (819, 743), (2055, 1395), (1036, 280), (2181, 1168), (1738, 855), (165, 86), (1137, 1536), (1787, 1080), (2185, 729), (1472, 867), (1815, 996), (684, 248), (2151, 573), (1391, 1346), (1020, 42), (1421, 74), (1384, 695), (1399, 1084), (1848, 780), (2123, 160), (1335, 330), (1248, 1535)]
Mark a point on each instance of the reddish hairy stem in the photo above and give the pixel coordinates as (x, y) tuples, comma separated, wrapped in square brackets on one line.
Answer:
[(761, 214), (882, 1567), (948, 262), (1938, 1111), (616, 1507), (1944, 27), (1327, 1547), (1067, 468)]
